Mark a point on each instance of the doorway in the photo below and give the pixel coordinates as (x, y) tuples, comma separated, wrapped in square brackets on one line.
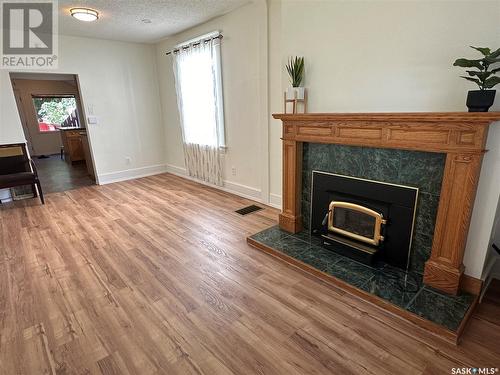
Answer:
[(51, 114)]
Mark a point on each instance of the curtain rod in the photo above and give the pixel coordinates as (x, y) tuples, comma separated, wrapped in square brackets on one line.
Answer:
[(194, 44)]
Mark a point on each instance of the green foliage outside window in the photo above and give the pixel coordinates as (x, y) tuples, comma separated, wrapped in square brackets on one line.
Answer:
[(54, 110)]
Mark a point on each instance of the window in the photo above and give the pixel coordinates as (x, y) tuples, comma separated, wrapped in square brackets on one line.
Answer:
[(199, 91), (55, 112)]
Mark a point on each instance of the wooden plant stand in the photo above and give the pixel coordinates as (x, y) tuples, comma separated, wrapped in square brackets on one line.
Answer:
[(295, 102)]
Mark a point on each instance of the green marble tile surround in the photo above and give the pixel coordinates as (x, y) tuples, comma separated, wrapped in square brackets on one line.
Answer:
[(391, 284), (412, 168)]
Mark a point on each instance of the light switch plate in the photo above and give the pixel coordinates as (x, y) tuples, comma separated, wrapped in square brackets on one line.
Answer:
[(92, 120)]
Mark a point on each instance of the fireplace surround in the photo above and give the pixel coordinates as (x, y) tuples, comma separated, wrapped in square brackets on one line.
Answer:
[(417, 169), (461, 137)]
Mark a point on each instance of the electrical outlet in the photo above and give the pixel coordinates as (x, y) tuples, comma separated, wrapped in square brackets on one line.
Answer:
[(233, 171), (128, 160)]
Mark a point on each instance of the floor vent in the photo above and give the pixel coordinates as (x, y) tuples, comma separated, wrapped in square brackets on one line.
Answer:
[(248, 210)]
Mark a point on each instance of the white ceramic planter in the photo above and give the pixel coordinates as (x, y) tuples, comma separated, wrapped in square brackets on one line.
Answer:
[(295, 93)]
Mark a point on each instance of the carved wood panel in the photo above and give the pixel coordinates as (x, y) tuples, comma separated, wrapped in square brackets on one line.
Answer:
[(290, 217)]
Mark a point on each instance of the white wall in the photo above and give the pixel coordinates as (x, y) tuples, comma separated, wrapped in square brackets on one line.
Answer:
[(387, 56), (378, 56), (482, 228), (10, 125), (492, 262), (276, 88), (244, 75), (119, 85)]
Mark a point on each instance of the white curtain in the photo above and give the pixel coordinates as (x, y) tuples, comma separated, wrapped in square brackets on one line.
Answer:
[(199, 96)]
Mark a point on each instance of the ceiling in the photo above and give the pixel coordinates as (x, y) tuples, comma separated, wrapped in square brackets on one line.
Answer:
[(123, 19)]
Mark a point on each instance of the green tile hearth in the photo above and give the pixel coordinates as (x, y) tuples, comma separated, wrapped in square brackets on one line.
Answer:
[(441, 309), (403, 289)]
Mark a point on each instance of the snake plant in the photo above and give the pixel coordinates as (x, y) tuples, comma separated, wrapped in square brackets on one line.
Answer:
[(295, 68)]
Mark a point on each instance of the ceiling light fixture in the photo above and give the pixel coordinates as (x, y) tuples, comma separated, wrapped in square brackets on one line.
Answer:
[(84, 14)]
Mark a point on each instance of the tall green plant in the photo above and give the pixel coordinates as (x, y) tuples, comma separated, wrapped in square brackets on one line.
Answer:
[(295, 68), (482, 76)]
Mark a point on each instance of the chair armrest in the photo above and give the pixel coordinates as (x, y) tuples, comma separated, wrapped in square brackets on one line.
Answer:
[(32, 163)]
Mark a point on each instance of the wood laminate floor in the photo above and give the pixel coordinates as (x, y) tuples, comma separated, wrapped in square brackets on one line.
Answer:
[(153, 276)]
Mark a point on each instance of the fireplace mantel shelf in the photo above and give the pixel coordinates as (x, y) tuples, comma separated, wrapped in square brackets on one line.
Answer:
[(442, 117), (460, 135), (435, 132)]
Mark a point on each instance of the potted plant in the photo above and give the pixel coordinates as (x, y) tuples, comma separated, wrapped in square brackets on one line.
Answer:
[(295, 69), (481, 100)]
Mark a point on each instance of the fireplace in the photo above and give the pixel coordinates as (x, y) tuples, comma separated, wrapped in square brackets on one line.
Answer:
[(459, 136), (363, 219)]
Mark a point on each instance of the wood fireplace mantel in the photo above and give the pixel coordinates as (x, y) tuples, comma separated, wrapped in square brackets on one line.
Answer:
[(460, 135)]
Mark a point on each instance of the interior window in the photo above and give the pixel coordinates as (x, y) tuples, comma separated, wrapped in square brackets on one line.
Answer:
[(55, 112)]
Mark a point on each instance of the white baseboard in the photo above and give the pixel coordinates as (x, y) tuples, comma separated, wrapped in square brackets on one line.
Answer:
[(179, 171), (229, 187), (275, 201), (243, 190), (130, 174)]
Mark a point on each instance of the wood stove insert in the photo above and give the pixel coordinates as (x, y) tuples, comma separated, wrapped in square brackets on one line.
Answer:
[(363, 219)]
